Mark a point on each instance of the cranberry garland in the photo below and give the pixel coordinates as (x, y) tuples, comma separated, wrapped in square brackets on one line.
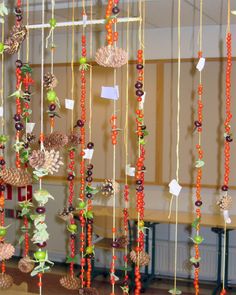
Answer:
[(112, 7), (82, 161), (72, 226), (3, 230), (228, 135), (140, 168), (196, 224)]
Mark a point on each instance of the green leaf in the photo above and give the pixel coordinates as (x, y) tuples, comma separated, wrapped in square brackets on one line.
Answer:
[(126, 268), (91, 190), (72, 259), (26, 69), (21, 239), (145, 133), (199, 163), (194, 260), (142, 141)]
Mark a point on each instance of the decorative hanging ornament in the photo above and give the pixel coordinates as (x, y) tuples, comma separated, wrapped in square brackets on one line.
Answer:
[(88, 291), (70, 283), (144, 258), (25, 264), (16, 177), (55, 141), (6, 251), (6, 281)]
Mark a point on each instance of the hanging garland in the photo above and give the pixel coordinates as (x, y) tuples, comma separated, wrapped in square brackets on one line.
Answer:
[(225, 201), (6, 249), (195, 260)]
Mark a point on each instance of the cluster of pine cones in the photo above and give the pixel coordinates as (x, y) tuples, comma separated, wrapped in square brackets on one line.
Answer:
[(6, 281), (46, 160), (17, 36)]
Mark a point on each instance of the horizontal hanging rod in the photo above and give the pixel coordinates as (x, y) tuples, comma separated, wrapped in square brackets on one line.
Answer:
[(81, 23)]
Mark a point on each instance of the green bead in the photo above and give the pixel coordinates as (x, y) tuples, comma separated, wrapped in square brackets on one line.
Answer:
[(53, 22), (51, 96), (1, 48), (3, 232), (89, 214), (83, 60), (198, 239), (82, 205), (40, 255), (72, 227), (89, 250)]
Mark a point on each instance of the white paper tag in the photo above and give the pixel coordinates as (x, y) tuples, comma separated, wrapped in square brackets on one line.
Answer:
[(69, 104), (110, 92), (1, 111), (201, 64), (29, 127), (226, 216), (174, 188), (141, 104), (130, 170), (88, 154), (85, 18)]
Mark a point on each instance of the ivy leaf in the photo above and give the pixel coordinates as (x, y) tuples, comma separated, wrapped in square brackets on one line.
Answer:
[(145, 133), (72, 259), (91, 190), (142, 141), (126, 268), (42, 196), (26, 69)]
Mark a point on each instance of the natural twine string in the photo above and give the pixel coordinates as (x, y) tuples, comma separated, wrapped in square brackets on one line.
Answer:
[(72, 62), (2, 82), (91, 73)]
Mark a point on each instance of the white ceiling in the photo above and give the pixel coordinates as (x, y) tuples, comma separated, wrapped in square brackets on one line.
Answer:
[(159, 13)]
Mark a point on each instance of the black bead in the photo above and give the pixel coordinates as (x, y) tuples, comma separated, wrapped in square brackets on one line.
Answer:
[(1, 210), (71, 208), (90, 145), (138, 85), (89, 195), (197, 124), (115, 10), (198, 203), (139, 66), (90, 221), (80, 123), (139, 182), (52, 115), (52, 107), (89, 179), (2, 162), (19, 63), (228, 138), (143, 168), (19, 126), (73, 237), (70, 177), (18, 10), (115, 244), (143, 127), (2, 188), (224, 188), (90, 256), (42, 245), (196, 265), (2, 146), (89, 172), (90, 166), (26, 145), (41, 210), (16, 117), (19, 18), (140, 188), (139, 93)]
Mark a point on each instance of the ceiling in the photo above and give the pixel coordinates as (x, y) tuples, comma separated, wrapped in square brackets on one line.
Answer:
[(159, 13)]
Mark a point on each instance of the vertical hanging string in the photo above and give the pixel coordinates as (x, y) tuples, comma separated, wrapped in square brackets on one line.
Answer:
[(228, 139), (126, 136), (91, 72), (72, 61), (2, 82), (177, 145)]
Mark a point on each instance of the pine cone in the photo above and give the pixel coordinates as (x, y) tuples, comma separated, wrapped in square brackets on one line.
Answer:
[(110, 56), (37, 159), (88, 291), (122, 241), (11, 46), (16, 177), (18, 33), (6, 281), (144, 258), (55, 140), (225, 202), (25, 265), (74, 139), (70, 283), (49, 81), (53, 161), (6, 251)]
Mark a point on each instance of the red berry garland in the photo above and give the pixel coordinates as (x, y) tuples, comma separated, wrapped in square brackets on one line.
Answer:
[(82, 161), (228, 138), (140, 168)]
